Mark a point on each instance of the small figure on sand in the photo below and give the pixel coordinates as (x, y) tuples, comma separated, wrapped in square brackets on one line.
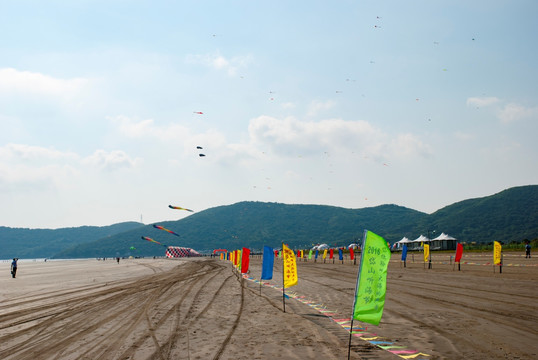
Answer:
[(118, 259), (14, 267), (527, 250)]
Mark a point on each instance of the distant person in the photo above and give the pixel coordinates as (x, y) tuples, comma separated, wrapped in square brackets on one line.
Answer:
[(528, 250), (14, 267), (118, 259)]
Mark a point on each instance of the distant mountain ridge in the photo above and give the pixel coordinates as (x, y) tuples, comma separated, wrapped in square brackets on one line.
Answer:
[(509, 215), (44, 243)]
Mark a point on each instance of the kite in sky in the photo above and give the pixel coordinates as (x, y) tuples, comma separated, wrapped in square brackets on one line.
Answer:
[(162, 228), (199, 147), (179, 208), (198, 112), (151, 240), (201, 155)]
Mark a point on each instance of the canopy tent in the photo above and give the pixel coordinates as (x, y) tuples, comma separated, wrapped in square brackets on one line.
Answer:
[(415, 244), (353, 245), (321, 247), (402, 242), (421, 238), (444, 236), (444, 242)]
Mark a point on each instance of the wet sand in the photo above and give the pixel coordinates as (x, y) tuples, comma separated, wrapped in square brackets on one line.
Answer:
[(202, 309)]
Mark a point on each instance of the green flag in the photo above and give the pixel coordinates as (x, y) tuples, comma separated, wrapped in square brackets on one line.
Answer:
[(310, 254), (372, 279)]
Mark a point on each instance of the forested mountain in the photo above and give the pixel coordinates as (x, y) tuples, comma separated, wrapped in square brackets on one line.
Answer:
[(255, 224), (511, 215), (43, 243)]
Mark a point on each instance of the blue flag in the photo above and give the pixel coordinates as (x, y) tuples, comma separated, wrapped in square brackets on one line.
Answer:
[(316, 255), (404, 252), (340, 254), (267, 263)]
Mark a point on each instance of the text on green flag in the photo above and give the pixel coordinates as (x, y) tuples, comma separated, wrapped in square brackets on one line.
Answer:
[(372, 279)]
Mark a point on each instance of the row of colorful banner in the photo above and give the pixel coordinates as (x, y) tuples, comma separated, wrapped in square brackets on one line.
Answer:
[(497, 253), (371, 284)]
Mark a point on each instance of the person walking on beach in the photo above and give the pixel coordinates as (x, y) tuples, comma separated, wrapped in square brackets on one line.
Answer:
[(14, 267), (528, 250)]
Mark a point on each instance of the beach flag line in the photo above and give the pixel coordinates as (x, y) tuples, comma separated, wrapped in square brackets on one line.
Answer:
[(357, 331), (472, 263)]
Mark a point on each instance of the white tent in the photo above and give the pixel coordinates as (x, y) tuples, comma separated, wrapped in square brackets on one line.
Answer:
[(444, 242), (321, 247), (444, 236), (402, 242), (421, 238), (353, 245), (416, 243)]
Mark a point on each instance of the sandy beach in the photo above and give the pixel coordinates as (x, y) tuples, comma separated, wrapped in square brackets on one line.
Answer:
[(200, 308)]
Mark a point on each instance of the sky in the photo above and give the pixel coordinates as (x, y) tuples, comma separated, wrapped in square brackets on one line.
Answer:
[(353, 104)]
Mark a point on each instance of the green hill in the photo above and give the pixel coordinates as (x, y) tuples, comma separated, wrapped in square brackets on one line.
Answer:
[(44, 243), (511, 215), (255, 224)]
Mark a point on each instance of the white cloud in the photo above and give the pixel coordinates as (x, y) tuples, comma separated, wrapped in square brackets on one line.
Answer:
[(219, 62), (27, 167), (110, 161), (482, 101), (31, 168), (14, 81), (405, 145), (25, 153), (292, 137), (169, 133), (513, 112), (506, 112)]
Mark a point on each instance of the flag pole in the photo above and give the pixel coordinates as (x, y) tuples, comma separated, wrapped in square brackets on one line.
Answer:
[(355, 297), (283, 289)]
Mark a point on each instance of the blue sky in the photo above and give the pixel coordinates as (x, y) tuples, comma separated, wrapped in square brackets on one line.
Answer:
[(345, 103)]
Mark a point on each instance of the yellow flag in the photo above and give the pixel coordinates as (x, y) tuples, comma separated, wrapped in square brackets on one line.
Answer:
[(324, 254), (290, 267), (497, 248), (426, 252)]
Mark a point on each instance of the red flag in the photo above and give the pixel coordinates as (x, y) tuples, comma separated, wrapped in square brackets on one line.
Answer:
[(351, 254), (459, 252), (331, 253), (237, 257), (245, 259)]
